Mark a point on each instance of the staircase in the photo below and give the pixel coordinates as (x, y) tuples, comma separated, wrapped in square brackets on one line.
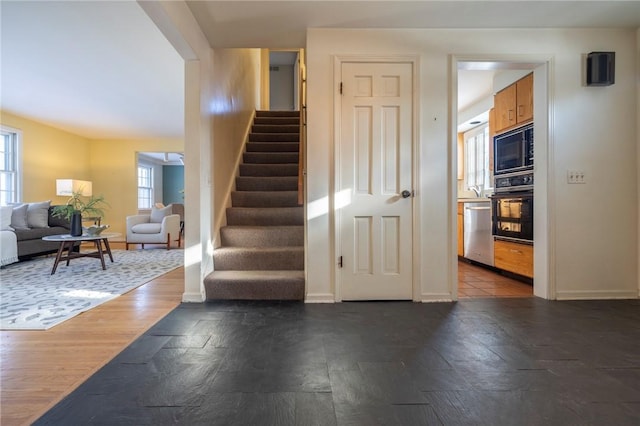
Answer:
[(261, 256)]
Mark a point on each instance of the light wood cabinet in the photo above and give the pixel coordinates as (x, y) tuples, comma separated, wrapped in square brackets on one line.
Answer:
[(514, 104), (461, 229), (514, 257), (524, 99)]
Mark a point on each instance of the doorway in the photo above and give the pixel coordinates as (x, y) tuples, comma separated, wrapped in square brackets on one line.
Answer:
[(160, 179), (495, 75), (376, 175)]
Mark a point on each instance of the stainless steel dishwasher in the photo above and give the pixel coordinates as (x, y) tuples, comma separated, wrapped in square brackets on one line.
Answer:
[(478, 241)]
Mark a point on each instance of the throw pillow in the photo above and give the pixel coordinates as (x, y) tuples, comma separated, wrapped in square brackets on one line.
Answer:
[(19, 217), (158, 214), (5, 217), (38, 214)]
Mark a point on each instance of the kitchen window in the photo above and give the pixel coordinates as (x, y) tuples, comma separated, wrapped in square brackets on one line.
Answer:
[(10, 178), (145, 187), (476, 148)]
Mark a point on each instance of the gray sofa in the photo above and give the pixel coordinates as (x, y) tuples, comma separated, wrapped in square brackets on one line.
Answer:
[(30, 241)]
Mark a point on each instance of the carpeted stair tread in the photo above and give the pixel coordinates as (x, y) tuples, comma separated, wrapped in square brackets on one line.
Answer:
[(255, 285), (259, 258), (274, 137), (274, 216), (273, 147), (262, 236), (264, 198), (270, 157), (288, 169), (275, 128), (267, 183)]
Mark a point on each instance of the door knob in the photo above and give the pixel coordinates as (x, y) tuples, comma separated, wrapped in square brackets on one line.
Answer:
[(405, 194)]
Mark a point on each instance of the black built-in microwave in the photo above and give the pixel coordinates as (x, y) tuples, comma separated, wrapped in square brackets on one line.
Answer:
[(513, 151)]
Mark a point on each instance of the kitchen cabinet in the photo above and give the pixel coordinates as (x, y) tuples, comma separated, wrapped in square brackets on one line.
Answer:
[(514, 104), (514, 257), (460, 229)]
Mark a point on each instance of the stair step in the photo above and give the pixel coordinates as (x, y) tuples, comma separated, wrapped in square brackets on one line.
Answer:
[(270, 157), (274, 137), (274, 216), (264, 198), (265, 113), (277, 120), (258, 258), (269, 169), (267, 183), (273, 147), (262, 236), (270, 128), (255, 285)]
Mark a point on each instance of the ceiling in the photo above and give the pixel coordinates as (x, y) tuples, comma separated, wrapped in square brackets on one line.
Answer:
[(102, 70)]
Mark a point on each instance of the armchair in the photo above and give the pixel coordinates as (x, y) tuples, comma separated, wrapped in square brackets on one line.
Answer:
[(155, 228)]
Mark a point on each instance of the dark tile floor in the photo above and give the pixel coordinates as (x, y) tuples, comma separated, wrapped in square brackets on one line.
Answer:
[(475, 362)]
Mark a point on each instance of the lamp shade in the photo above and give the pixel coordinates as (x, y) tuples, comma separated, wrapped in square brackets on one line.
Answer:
[(69, 186)]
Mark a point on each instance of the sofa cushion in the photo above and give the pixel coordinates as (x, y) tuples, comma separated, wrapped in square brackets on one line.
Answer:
[(146, 228), (5, 218), (38, 233), (158, 214), (19, 217), (38, 214)]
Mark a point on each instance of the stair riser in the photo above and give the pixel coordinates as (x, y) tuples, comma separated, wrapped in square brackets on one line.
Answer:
[(281, 183), (270, 128), (248, 259), (283, 289), (274, 137), (264, 113), (265, 236), (268, 169), (273, 147), (278, 121), (270, 157), (264, 199), (265, 217)]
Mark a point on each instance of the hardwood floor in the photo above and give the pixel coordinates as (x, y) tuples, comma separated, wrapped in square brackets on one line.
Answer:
[(478, 282), (39, 368)]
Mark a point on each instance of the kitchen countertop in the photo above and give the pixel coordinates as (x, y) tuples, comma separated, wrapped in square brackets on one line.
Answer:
[(474, 200)]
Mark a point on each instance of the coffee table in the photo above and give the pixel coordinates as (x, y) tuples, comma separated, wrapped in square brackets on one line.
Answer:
[(67, 242)]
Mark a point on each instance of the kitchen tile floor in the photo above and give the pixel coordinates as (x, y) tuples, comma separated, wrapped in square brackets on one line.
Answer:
[(477, 282)]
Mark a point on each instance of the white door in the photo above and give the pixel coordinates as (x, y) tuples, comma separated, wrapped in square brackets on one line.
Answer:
[(376, 138)]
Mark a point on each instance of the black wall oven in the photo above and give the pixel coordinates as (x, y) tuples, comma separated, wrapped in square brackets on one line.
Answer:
[(513, 216)]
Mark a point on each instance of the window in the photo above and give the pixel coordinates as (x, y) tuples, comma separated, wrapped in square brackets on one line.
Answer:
[(476, 146), (145, 187), (10, 179)]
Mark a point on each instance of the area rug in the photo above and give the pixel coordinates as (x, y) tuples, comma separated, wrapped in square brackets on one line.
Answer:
[(33, 299)]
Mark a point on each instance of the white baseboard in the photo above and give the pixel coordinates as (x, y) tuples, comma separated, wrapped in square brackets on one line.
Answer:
[(435, 297), (320, 298), (193, 297), (596, 294)]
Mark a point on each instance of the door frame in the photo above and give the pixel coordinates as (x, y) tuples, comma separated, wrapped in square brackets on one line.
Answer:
[(335, 198), (544, 271)]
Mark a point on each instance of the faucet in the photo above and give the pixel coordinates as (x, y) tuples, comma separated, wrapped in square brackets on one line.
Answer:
[(477, 189)]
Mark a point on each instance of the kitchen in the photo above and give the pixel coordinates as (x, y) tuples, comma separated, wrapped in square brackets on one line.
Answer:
[(495, 181)]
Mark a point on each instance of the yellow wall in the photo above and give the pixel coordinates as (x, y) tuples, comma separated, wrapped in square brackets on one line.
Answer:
[(50, 154)]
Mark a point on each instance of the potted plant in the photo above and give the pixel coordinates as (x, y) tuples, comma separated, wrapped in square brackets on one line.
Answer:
[(76, 207)]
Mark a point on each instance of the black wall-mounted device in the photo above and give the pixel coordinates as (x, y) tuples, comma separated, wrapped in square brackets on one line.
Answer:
[(601, 67)]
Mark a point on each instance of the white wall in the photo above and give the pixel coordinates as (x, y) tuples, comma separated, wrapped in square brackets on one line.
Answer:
[(593, 228), (235, 88), (281, 92)]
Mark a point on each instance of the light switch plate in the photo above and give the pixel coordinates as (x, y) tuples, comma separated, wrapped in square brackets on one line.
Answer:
[(576, 176)]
